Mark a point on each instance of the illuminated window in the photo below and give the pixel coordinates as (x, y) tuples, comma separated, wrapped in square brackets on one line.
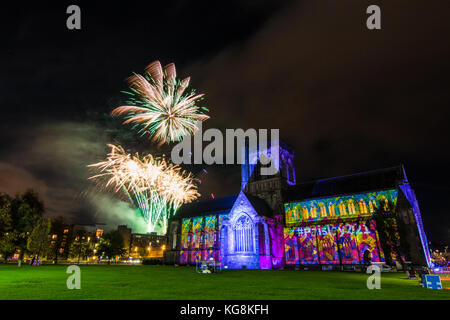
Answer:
[(99, 233), (372, 205), (386, 204), (313, 211), (305, 214), (296, 214), (323, 210), (243, 235), (331, 211), (342, 210), (290, 215), (362, 206), (351, 207)]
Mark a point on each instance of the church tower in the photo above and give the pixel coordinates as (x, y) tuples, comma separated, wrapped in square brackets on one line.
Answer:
[(268, 187)]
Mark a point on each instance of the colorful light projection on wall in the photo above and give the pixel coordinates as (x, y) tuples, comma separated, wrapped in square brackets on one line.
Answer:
[(332, 243), (366, 238), (210, 232), (197, 237), (348, 249), (357, 205), (186, 228), (327, 244), (308, 242), (200, 238)]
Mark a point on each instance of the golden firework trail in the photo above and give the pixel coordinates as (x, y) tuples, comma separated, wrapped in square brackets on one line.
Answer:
[(154, 186)]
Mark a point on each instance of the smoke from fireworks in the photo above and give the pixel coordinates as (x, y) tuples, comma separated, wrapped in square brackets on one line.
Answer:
[(155, 187), (159, 105)]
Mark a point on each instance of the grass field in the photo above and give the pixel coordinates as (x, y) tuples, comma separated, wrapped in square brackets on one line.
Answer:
[(168, 282)]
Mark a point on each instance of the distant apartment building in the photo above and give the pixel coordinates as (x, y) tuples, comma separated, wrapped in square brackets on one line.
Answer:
[(147, 245)]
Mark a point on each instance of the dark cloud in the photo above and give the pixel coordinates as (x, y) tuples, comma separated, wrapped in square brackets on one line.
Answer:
[(52, 159)]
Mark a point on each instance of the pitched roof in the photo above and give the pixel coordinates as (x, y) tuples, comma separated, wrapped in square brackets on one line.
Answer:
[(348, 184), (353, 183), (206, 207)]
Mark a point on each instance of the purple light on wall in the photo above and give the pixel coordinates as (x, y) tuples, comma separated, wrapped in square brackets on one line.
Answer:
[(276, 232), (265, 262), (410, 195)]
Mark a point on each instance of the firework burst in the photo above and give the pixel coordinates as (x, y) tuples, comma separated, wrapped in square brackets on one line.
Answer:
[(156, 188), (159, 105)]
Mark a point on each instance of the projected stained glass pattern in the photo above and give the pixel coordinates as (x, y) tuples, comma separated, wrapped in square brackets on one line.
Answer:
[(210, 231), (327, 246), (307, 243), (197, 232), (340, 243), (185, 240), (200, 238), (366, 239), (347, 243), (351, 206), (184, 257), (196, 256), (186, 228), (291, 246), (208, 254)]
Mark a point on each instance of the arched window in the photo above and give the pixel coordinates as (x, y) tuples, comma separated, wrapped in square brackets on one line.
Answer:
[(351, 207), (331, 209), (305, 214), (362, 206), (323, 210), (342, 210), (296, 214), (313, 211), (372, 205), (385, 204), (243, 235)]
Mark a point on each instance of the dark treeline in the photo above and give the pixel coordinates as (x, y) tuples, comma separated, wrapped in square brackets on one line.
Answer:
[(26, 233)]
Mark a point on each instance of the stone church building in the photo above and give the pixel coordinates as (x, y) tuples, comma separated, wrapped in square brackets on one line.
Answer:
[(275, 222)]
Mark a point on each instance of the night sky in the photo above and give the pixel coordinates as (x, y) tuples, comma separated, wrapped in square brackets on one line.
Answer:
[(346, 98)]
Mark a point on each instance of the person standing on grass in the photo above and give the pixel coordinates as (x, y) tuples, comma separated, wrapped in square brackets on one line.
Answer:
[(367, 259)]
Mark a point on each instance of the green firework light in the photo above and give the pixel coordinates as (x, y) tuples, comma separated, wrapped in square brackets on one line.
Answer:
[(159, 106), (156, 188)]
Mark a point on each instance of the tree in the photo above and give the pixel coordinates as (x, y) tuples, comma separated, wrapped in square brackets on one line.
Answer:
[(111, 245), (60, 240), (5, 213), (38, 241), (8, 244), (7, 236), (81, 247), (26, 211)]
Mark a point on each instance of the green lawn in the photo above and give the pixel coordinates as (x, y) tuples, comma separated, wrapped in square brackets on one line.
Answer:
[(168, 282)]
